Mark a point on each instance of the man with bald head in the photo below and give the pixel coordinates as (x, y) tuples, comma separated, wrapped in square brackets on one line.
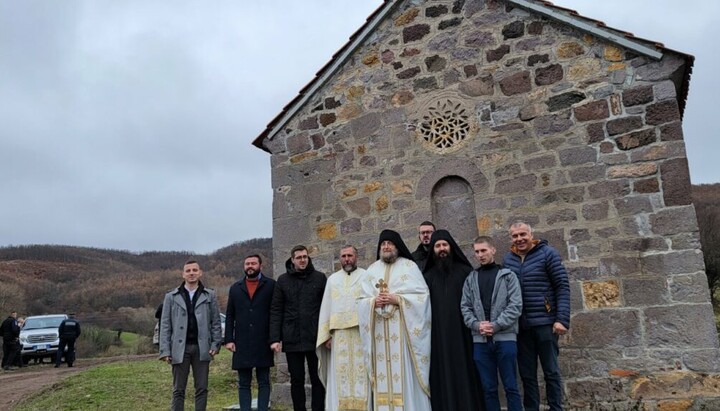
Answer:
[(394, 317), (545, 313)]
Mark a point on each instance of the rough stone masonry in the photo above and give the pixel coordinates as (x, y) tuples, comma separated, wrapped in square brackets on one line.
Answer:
[(477, 113)]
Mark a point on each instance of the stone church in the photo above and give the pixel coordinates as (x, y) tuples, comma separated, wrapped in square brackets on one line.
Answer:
[(476, 113)]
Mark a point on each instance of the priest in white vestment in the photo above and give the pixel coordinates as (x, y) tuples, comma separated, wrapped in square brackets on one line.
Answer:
[(394, 317), (341, 364)]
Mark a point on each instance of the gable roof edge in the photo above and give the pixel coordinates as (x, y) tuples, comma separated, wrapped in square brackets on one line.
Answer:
[(555, 14), (325, 73)]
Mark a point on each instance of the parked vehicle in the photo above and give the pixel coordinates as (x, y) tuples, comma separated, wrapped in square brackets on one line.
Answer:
[(39, 337)]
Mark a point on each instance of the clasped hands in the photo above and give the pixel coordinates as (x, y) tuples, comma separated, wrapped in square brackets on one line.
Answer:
[(486, 328), (385, 298)]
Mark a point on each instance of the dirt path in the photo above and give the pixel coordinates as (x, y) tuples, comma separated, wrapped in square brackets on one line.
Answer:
[(20, 383)]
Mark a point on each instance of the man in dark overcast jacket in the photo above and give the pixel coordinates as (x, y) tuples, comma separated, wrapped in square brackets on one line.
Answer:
[(545, 313), (247, 325), (294, 314)]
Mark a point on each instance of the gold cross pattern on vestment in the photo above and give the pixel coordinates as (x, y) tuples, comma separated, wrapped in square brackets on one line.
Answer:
[(382, 286)]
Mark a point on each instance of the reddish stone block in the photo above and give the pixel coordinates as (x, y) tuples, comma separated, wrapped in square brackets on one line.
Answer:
[(636, 139), (663, 112), (516, 84), (548, 75), (671, 131), (416, 32), (624, 125), (637, 96), (676, 182), (648, 185), (596, 110), (498, 53)]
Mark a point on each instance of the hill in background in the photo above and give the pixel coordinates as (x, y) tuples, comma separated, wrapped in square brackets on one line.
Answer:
[(111, 288), (121, 290)]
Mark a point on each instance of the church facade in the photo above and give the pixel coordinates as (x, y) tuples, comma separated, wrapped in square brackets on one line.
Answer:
[(477, 113)]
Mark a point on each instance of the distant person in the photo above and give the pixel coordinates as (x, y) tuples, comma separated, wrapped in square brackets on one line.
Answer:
[(69, 331), (156, 332), (247, 332), (190, 335), (11, 336), (420, 255), (18, 346), (545, 313), (294, 316), (491, 306), (339, 348)]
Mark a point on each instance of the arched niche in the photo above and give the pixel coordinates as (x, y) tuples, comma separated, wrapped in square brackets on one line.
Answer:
[(453, 208)]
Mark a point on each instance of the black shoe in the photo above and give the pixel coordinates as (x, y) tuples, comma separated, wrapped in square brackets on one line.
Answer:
[(70, 365), (57, 365)]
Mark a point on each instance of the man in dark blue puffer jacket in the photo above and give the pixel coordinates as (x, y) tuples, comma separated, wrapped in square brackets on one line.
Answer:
[(545, 314)]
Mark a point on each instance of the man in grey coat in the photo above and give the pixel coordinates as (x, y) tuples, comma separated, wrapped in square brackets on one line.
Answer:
[(491, 305), (190, 335)]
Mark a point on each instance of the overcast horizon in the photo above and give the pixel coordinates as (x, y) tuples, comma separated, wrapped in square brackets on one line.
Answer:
[(128, 125)]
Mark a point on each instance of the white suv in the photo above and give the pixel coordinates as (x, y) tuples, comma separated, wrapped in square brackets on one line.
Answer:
[(39, 336)]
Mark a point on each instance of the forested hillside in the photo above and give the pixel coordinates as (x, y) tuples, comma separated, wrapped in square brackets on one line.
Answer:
[(707, 206), (111, 288)]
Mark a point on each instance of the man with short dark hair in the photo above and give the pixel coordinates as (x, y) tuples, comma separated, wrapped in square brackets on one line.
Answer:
[(247, 332), (395, 321), (545, 313), (294, 314), (420, 255), (68, 331), (10, 335), (453, 379), (190, 335)]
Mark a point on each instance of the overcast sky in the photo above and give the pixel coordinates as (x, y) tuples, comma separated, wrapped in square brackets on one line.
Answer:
[(128, 124)]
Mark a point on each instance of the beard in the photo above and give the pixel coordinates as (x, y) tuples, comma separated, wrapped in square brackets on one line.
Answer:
[(348, 268), (252, 274), (445, 261), (389, 257)]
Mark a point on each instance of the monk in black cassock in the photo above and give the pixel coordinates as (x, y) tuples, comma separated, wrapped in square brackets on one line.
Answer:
[(454, 384)]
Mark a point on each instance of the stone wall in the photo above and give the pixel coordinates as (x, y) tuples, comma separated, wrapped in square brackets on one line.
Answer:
[(544, 123)]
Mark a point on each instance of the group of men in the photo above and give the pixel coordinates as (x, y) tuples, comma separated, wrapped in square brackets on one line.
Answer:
[(415, 331)]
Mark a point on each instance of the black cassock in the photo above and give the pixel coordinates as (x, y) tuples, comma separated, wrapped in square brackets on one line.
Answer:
[(454, 383)]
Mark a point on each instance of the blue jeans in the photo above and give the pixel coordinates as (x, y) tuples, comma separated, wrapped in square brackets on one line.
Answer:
[(244, 393), (491, 357), (539, 343)]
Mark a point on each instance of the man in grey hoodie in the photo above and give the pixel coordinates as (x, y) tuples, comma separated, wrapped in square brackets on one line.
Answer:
[(491, 305)]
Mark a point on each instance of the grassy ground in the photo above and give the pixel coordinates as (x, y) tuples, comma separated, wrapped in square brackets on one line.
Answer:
[(132, 385)]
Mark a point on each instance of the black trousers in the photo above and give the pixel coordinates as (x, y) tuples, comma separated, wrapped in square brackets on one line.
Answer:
[(10, 351), (296, 367), (70, 355)]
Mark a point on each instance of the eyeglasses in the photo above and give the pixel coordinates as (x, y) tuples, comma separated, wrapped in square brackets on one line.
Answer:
[(426, 232)]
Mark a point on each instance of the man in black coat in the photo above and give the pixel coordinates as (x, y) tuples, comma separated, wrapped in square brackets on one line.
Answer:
[(294, 314), (420, 255), (11, 335), (247, 332), (454, 383), (68, 331)]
